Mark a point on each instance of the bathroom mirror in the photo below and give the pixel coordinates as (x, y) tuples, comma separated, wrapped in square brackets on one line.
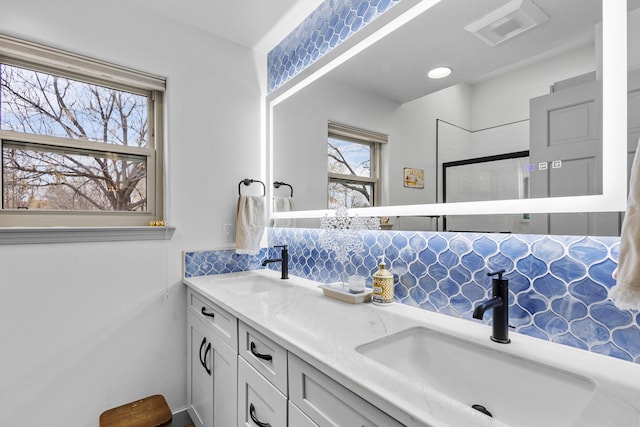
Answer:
[(383, 88)]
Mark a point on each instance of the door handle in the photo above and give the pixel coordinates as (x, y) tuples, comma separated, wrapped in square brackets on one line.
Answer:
[(252, 413), (266, 357), (206, 368), (202, 361)]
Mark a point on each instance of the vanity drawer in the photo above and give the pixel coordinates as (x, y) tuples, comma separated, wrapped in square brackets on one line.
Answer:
[(328, 403), (258, 400), (221, 323), (267, 357)]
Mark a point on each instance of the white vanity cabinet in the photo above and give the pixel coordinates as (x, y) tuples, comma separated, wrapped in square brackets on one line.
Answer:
[(211, 364), (239, 376), (327, 403)]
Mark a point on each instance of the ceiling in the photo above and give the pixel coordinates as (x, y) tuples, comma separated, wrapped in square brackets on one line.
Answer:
[(396, 66), (256, 24)]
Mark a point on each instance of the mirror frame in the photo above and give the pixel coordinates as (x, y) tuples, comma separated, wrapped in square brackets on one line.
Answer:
[(614, 123)]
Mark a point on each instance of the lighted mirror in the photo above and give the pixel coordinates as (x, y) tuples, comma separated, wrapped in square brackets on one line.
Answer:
[(546, 78)]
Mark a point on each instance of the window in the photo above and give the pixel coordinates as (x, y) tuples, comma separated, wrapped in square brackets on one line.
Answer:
[(80, 140), (353, 166)]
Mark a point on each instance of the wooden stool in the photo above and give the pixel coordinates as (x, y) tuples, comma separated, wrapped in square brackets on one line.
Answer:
[(151, 411)]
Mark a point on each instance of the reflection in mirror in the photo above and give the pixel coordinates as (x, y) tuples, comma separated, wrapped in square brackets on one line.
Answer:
[(501, 95), (500, 177)]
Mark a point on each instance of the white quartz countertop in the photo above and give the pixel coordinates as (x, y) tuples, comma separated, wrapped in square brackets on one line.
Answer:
[(326, 332)]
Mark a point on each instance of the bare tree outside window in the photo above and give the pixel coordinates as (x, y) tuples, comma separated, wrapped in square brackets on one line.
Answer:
[(60, 176), (347, 161)]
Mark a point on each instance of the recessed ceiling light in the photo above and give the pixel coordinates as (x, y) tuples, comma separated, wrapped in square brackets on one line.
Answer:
[(439, 73)]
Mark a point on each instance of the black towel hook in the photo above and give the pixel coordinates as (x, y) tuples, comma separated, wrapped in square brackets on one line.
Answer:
[(248, 182), (277, 184)]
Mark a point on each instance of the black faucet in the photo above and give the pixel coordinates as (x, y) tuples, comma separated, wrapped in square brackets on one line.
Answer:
[(284, 260), (500, 305)]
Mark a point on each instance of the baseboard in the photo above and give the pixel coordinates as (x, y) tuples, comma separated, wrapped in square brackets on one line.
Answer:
[(181, 419)]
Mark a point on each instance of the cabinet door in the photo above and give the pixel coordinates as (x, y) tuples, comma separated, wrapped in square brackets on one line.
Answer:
[(199, 374), (328, 403), (212, 377), (260, 404), (225, 385)]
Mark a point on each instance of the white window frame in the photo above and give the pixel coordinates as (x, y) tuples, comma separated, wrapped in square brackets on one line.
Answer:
[(360, 136), (64, 64)]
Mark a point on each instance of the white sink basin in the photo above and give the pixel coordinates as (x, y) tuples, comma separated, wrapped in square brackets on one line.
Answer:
[(253, 284), (516, 391)]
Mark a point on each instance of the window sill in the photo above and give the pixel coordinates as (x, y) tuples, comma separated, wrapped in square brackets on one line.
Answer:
[(32, 235)]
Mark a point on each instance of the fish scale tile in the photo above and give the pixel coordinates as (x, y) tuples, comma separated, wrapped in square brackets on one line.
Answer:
[(607, 313), (472, 261), (518, 317), (549, 286), (590, 331), (417, 243), (531, 266), (500, 261), (484, 247), (588, 251), (567, 269), (558, 284), (602, 271), (205, 263), (547, 249), (330, 24), (569, 308), (515, 247)]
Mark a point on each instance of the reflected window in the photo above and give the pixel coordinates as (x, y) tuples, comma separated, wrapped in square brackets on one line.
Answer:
[(353, 156)]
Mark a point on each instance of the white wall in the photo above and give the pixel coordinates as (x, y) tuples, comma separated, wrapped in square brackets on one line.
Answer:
[(300, 134), (413, 142), (86, 327), (505, 98)]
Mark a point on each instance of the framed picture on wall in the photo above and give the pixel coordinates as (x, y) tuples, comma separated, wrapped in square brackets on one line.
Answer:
[(413, 178)]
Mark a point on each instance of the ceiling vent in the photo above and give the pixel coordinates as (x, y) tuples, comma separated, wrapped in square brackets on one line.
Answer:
[(508, 21)]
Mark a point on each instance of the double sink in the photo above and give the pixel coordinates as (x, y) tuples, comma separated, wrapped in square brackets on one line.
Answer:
[(511, 388)]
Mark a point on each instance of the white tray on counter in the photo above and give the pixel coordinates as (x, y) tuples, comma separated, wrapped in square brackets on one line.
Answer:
[(337, 291)]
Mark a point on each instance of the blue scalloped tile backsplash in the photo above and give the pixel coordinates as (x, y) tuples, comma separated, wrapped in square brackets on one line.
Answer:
[(558, 285), (205, 263), (333, 22)]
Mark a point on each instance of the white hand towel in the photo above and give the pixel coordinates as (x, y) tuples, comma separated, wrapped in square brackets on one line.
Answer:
[(626, 293), (283, 204), (250, 223)]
